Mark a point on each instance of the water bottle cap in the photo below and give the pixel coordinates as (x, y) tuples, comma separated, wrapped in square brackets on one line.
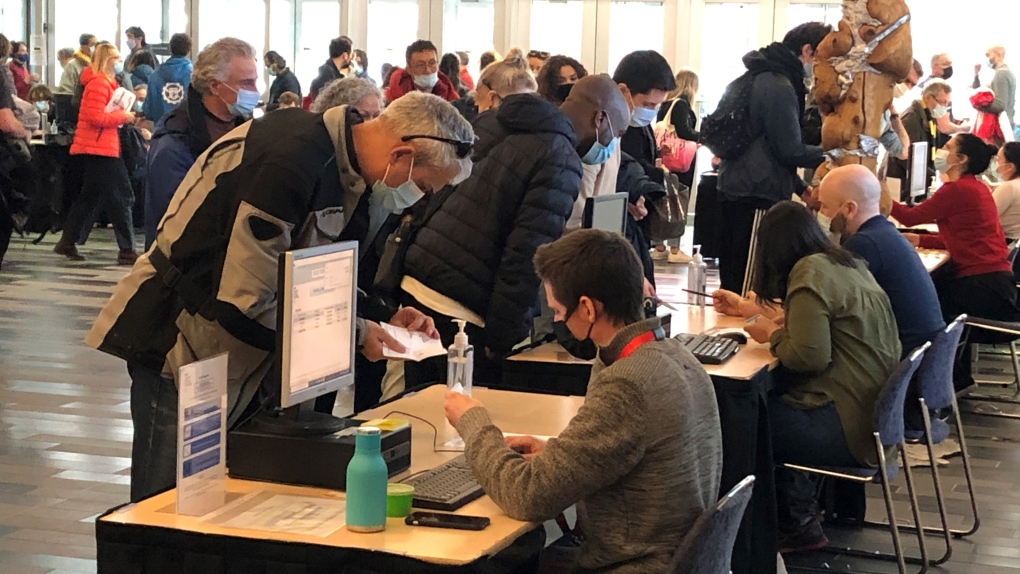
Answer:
[(369, 430)]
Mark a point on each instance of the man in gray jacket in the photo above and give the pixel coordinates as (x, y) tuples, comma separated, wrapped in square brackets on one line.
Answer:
[(1003, 85), (643, 456)]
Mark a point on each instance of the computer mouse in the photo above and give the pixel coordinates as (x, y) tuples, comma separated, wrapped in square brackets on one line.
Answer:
[(735, 336)]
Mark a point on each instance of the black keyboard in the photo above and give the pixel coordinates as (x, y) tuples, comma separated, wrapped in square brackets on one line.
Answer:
[(446, 487), (709, 350)]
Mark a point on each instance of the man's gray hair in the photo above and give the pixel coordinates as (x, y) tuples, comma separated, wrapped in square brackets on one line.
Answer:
[(65, 53), (214, 61), (418, 113), (936, 87), (345, 92)]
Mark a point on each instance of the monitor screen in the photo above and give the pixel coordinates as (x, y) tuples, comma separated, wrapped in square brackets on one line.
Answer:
[(607, 212), (318, 300), (919, 169)]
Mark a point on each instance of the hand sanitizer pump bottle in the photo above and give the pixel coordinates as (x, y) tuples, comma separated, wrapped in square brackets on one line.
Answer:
[(460, 362), (696, 278)]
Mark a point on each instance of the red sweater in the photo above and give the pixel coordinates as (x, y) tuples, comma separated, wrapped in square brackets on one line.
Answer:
[(20, 74), (97, 130), (402, 82), (968, 226)]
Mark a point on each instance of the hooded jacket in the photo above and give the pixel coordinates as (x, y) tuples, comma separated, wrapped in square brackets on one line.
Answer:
[(168, 86), (402, 82), (768, 169), (179, 139), (97, 130), (328, 73), (283, 182), (141, 74), (477, 247)]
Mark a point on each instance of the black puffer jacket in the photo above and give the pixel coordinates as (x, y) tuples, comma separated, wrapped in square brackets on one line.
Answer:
[(476, 248)]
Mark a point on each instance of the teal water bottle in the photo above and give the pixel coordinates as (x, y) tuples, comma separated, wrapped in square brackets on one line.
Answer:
[(366, 483)]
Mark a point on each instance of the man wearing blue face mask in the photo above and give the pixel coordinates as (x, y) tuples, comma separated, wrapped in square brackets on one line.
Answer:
[(221, 96), (208, 284), (421, 75)]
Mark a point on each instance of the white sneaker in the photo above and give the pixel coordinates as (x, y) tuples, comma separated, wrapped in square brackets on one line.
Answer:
[(658, 255), (680, 257)]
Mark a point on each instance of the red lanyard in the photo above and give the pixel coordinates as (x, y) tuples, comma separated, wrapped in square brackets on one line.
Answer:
[(636, 342)]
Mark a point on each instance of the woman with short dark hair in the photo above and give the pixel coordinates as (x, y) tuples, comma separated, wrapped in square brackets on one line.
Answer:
[(1007, 194), (978, 279), (837, 345)]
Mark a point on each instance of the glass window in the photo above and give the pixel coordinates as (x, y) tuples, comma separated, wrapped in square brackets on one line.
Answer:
[(243, 19), (556, 27), (145, 14), (72, 21), (392, 27), (624, 19), (318, 24), (281, 29), (721, 54), (800, 13), (12, 19), (468, 27), (179, 23)]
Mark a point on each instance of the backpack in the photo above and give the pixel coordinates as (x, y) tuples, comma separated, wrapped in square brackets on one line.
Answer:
[(728, 131)]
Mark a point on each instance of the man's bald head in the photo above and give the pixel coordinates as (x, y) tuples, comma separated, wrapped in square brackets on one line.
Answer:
[(595, 103), (996, 55), (852, 190)]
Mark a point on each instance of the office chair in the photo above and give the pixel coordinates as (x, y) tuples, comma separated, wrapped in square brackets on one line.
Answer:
[(708, 546), (889, 432)]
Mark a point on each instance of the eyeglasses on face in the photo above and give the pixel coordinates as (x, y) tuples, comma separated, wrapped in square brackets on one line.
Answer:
[(463, 148)]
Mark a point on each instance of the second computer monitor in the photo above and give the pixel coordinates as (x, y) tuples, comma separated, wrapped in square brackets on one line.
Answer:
[(606, 212), (317, 301), (918, 181)]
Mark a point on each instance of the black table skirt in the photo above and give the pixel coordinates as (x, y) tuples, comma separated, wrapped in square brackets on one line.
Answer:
[(131, 549)]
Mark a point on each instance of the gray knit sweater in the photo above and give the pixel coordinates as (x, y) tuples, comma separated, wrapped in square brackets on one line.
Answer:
[(643, 456)]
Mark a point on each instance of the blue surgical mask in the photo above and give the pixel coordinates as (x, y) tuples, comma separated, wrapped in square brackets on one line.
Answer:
[(118, 67), (23, 58), (244, 107), (427, 81), (396, 199), (41, 106), (271, 71), (642, 117), (600, 154), (138, 106)]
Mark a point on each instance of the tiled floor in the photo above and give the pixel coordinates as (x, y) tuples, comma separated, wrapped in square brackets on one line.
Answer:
[(65, 428)]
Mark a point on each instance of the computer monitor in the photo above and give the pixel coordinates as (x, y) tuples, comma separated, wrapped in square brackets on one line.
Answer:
[(317, 301), (606, 212), (918, 177)]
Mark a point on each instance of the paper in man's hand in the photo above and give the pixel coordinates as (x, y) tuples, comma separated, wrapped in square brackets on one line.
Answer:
[(419, 346)]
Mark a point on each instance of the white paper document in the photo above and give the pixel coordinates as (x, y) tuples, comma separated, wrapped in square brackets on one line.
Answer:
[(262, 510), (418, 345), (123, 100), (202, 436)]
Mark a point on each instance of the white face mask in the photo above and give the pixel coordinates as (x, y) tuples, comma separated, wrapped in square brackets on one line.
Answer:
[(940, 111)]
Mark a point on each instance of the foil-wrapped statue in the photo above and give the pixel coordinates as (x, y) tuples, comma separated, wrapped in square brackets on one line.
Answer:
[(856, 68)]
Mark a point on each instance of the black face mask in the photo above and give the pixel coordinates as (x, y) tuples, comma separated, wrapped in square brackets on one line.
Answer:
[(563, 90), (947, 73)]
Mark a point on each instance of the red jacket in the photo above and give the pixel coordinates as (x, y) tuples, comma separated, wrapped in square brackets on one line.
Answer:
[(968, 223), (402, 82), (97, 130), (20, 74), (466, 79)]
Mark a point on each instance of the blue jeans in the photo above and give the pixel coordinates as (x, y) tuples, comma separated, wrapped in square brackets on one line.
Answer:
[(806, 437), (154, 449)]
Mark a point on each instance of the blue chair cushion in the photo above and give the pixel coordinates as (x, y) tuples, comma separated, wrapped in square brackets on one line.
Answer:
[(939, 432)]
